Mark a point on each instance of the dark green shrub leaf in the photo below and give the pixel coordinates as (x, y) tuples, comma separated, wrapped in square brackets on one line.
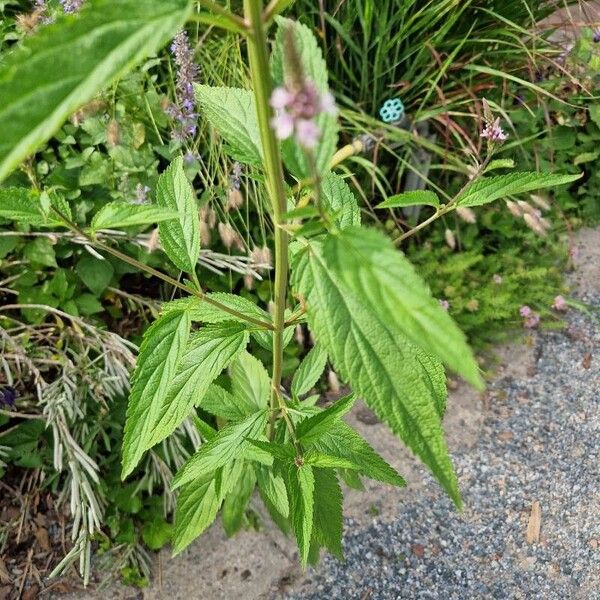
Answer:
[(115, 215), (300, 489), (339, 200), (412, 198), (95, 273), (327, 516)]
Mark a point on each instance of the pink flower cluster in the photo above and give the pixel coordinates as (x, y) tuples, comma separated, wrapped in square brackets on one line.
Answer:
[(559, 304), (531, 319), (493, 132), (296, 112)]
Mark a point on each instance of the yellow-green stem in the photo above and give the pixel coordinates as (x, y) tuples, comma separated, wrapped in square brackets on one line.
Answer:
[(262, 84)]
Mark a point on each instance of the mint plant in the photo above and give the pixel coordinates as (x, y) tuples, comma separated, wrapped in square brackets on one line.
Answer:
[(371, 315)]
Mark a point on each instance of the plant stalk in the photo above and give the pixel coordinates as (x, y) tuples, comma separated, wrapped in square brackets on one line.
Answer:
[(263, 86)]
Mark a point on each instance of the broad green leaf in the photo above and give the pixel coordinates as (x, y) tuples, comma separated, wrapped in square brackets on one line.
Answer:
[(95, 273), (309, 430), (281, 451), (489, 189), (23, 205), (300, 489), (208, 352), (236, 501), (373, 355), (197, 507), (232, 113), (225, 447), (40, 251), (52, 73), (342, 441), (156, 533), (272, 487), (500, 163), (315, 69), (366, 263), (412, 198), (309, 371), (180, 238), (221, 403), (316, 459), (339, 200), (115, 215), (250, 381), (327, 515), (160, 352)]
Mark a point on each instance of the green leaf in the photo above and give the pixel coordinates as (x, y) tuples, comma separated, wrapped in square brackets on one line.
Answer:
[(272, 488), (236, 501), (339, 200), (489, 189), (300, 488), (250, 381), (197, 507), (309, 371), (366, 263), (23, 206), (342, 441), (412, 198), (180, 238), (232, 113), (95, 273), (40, 252), (160, 353), (221, 403), (52, 73), (373, 355), (316, 459), (500, 163), (208, 352), (115, 215), (225, 447), (282, 451), (315, 69), (328, 513), (312, 428), (157, 533)]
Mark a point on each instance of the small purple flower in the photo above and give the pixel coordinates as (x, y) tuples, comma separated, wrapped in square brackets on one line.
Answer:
[(183, 111), (296, 111), (444, 304), (493, 132), (71, 6), (8, 396), (596, 38), (532, 321), (497, 279), (525, 311), (559, 303)]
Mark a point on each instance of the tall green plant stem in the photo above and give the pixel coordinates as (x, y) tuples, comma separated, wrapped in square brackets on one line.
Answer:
[(261, 82)]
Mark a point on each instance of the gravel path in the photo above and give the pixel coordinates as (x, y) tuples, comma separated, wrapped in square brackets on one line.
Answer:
[(535, 472)]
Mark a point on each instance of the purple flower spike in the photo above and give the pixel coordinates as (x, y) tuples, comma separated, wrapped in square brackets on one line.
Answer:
[(184, 110), (8, 396), (71, 6)]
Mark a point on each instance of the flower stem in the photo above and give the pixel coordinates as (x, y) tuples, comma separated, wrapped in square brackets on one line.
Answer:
[(263, 86)]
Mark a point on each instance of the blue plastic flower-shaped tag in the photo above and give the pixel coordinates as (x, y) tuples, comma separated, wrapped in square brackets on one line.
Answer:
[(392, 110)]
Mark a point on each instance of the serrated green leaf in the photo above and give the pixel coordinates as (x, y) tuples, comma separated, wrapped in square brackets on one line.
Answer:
[(328, 514), (225, 447), (281, 451), (375, 358), (315, 69), (95, 273), (317, 459), (51, 74), (272, 488), (23, 205), (309, 371), (368, 265), (489, 189), (115, 215), (312, 428), (208, 352), (236, 501), (300, 489), (250, 381), (412, 198), (232, 113), (342, 441), (197, 507), (339, 200), (180, 238), (160, 352), (221, 403)]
